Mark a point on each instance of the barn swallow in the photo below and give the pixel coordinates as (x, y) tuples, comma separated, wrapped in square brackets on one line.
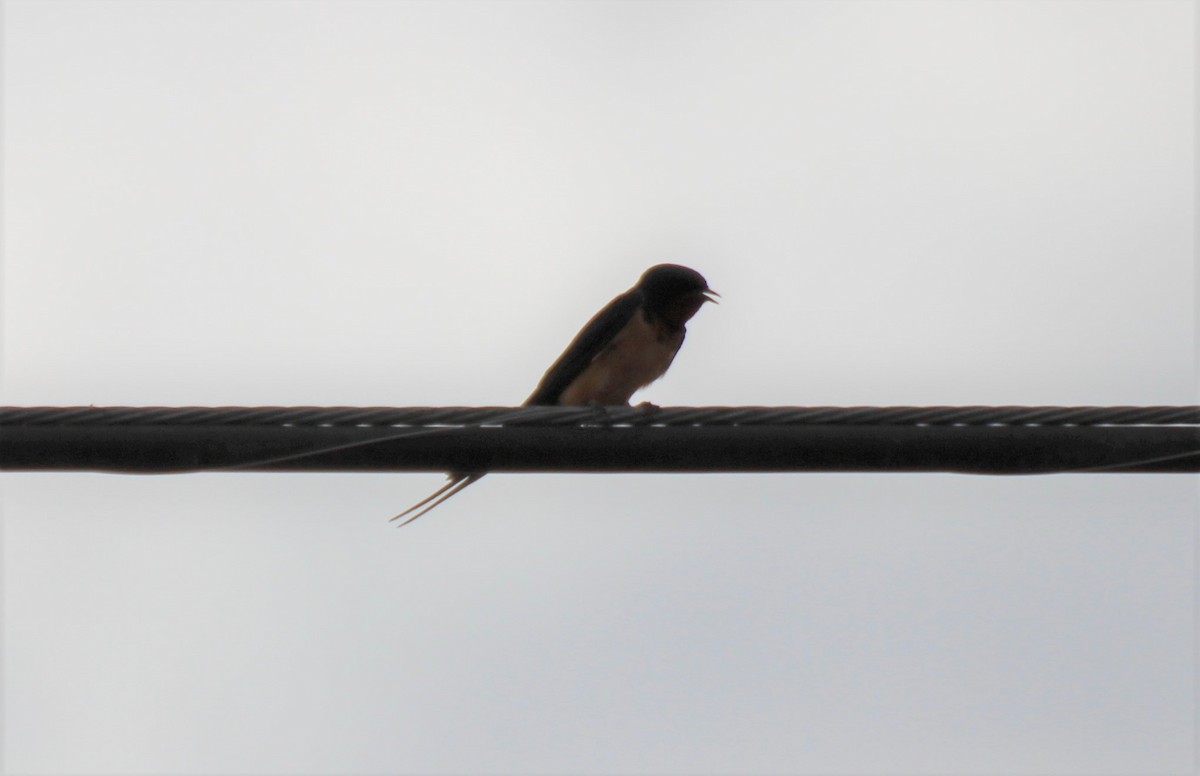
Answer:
[(623, 348)]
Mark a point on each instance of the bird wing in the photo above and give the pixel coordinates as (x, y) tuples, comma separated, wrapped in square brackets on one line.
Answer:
[(588, 343)]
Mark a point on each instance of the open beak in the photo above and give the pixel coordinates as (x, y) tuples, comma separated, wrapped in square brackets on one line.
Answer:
[(708, 295)]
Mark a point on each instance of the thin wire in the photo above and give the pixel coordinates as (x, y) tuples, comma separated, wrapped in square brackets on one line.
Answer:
[(408, 433), (1100, 469)]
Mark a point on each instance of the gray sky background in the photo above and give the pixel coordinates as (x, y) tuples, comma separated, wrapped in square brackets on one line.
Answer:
[(412, 203)]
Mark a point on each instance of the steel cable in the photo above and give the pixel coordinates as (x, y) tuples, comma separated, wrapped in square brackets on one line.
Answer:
[(433, 417)]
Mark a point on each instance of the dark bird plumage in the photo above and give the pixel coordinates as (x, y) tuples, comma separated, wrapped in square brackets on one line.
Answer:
[(626, 346)]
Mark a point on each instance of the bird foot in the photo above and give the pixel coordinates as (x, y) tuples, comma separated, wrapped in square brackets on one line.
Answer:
[(600, 416)]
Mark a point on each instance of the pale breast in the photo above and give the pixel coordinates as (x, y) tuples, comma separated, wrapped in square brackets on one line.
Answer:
[(637, 356)]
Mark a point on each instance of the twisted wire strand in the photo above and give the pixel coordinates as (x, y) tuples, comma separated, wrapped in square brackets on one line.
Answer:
[(434, 417)]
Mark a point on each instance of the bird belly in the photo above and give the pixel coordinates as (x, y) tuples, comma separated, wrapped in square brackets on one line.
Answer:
[(638, 355)]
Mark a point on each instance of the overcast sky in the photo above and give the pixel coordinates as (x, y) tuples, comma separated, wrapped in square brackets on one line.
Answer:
[(419, 203)]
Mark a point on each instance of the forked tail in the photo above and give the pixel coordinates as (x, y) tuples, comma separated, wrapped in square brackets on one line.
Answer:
[(458, 482)]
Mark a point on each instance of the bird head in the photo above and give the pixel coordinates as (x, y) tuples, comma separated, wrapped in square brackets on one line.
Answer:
[(674, 292)]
